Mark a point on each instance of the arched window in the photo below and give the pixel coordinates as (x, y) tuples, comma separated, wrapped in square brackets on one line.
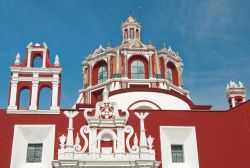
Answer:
[(45, 95), (37, 62), (102, 74), (170, 75), (137, 70), (24, 99)]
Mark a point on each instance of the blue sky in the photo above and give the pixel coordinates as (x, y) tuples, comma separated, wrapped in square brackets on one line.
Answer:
[(212, 37)]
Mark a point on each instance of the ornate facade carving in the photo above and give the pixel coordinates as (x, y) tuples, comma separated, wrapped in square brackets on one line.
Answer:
[(107, 125)]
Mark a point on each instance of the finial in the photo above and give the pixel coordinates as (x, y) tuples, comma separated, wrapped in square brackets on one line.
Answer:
[(164, 45), (105, 95), (91, 51), (45, 45), (108, 45), (169, 48), (100, 46), (57, 61), (149, 42), (241, 84), (17, 61), (29, 45)]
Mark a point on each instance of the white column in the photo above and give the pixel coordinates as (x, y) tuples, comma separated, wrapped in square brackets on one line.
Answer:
[(13, 92), (93, 141), (55, 90), (120, 141), (126, 64), (150, 67), (143, 139), (34, 95), (29, 57), (70, 137), (233, 101), (109, 75), (90, 74), (44, 59)]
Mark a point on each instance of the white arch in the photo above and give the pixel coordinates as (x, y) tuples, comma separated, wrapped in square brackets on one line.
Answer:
[(145, 105)]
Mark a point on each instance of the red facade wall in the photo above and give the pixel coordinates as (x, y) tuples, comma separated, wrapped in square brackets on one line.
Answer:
[(222, 136)]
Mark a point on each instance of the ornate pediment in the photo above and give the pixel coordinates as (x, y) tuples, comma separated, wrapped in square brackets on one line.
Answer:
[(107, 114), (107, 126)]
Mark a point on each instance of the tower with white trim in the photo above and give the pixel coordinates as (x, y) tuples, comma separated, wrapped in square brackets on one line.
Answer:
[(25, 75)]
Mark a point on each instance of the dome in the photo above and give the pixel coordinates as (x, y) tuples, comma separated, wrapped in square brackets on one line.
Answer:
[(130, 19)]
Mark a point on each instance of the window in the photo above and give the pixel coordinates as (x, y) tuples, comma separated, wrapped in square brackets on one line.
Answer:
[(34, 153), (177, 153), (137, 70), (170, 75), (102, 74)]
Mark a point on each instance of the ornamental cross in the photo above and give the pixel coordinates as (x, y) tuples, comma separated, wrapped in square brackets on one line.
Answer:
[(107, 111)]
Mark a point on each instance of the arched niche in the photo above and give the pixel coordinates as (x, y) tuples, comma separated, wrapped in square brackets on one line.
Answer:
[(142, 61), (105, 138)]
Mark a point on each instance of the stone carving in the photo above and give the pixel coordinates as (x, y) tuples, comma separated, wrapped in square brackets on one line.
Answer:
[(106, 126)]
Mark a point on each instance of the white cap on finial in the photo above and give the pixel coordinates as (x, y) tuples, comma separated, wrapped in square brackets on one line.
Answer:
[(57, 62), (29, 45), (241, 84), (17, 61), (45, 45)]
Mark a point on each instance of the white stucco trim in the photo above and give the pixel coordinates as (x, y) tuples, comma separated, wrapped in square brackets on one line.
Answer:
[(25, 134), (164, 101), (185, 136)]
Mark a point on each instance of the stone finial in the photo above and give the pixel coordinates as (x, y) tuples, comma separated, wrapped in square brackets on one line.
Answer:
[(169, 49), (17, 61), (29, 45), (105, 95), (57, 61), (100, 46), (164, 45), (108, 46), (241, 84), (45, 45)]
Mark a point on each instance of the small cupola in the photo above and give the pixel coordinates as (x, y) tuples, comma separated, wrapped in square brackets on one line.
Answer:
[(131, 30)]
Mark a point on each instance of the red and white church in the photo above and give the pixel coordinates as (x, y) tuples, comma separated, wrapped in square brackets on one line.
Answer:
[(133, 111)]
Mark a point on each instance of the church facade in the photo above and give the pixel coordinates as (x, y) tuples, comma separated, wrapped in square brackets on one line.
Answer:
[(132, 111)]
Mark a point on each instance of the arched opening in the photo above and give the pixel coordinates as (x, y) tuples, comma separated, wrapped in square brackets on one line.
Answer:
[(138, 67), (100, 72), (37, 61), (44, 99), (107, 141), (24, 99), (172, 73), (126, 34)]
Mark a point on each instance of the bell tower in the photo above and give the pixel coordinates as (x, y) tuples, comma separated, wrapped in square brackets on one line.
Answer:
[(236, 93), (27, 75)]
